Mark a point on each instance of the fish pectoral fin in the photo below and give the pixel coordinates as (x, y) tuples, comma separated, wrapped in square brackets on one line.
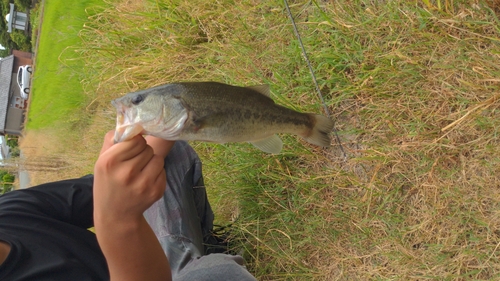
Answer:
[(195, 122), (198, 123), (272, 144), (262, 89)]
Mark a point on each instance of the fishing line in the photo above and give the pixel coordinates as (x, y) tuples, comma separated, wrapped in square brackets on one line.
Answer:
[(311, 70)]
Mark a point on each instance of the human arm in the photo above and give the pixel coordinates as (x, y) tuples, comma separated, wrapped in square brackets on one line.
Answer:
[(67, 202), (4, 251), (128, 179)]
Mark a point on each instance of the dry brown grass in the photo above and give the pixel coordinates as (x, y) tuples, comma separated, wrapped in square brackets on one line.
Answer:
[(47, 160), (414, 90)]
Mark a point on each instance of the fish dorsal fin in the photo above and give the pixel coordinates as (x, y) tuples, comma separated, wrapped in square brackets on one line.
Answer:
[(263, 89), (272, 144)]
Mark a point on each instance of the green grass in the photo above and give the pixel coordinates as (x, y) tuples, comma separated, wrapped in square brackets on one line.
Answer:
[(58, 95), (413, 87)]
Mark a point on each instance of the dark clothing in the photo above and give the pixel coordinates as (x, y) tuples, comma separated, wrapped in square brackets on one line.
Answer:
[(46, 227), (183, 216)]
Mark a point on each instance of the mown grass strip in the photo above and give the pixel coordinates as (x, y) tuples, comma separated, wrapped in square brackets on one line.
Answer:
[(57, 94)]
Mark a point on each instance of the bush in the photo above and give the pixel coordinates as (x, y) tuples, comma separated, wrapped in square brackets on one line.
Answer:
[(21, 40), (12, 141), (15, 151), (4, 53), (8, 178), (6, 188), (22, 5)]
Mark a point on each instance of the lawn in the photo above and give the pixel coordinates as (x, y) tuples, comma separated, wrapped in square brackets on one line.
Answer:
[(412, 86), (57, 79)]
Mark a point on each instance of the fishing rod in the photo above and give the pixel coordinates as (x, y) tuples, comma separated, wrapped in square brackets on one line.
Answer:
[(311, 70)]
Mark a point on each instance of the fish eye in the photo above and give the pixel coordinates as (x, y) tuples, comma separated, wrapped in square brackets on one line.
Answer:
[(137, 99)]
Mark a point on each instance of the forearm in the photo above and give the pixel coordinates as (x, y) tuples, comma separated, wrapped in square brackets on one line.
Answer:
[(128, 178), (132, 250)]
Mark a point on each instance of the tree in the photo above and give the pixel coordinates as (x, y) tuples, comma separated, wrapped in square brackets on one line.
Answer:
[(8, 178), (22, 5), (22, 42), (15, 151), (13, 41), (4, 53), (12, 141), (2, 173), (7, 181)]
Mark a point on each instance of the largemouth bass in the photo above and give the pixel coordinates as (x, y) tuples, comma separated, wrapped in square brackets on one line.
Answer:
[(215, 112)]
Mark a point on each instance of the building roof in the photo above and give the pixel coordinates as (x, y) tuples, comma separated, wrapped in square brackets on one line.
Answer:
[(10, 18), (6, 67)]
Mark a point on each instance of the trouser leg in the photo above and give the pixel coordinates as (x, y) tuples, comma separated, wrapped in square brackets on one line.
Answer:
[(183, 215), (216, 267)]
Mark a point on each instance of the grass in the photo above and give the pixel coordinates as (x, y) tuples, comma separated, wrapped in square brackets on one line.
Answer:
[(58, 113), (56, 81), (413, 87)]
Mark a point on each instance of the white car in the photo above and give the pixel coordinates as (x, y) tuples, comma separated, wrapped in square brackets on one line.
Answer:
[(23, 80)]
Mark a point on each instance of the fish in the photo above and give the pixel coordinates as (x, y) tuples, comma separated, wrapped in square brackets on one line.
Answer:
[(216, 112)]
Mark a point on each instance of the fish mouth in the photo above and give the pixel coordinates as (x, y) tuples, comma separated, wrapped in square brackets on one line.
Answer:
[(126, 128)]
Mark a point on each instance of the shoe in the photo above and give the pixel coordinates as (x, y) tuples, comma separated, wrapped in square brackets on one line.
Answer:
[(217, 240)]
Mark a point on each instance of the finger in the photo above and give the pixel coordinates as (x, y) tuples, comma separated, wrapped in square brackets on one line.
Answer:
[(142, 159), (153, 179), (108, 141), (129, 149), (154, 168), (161, 183)]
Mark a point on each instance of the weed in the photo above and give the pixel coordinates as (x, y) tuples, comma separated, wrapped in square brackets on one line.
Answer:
[(413, 87)]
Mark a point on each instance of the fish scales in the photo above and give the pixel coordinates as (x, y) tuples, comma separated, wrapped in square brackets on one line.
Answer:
[(230, 114), (216, 112)]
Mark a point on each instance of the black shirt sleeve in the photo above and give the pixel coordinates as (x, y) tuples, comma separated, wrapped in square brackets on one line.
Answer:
[(68, 201), (47, 228)]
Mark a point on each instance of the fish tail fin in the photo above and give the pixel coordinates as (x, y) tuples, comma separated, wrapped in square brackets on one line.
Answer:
[(320, 134)]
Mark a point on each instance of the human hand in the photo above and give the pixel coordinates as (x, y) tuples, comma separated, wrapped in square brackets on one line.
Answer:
[(160, 146), (128, 178)]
